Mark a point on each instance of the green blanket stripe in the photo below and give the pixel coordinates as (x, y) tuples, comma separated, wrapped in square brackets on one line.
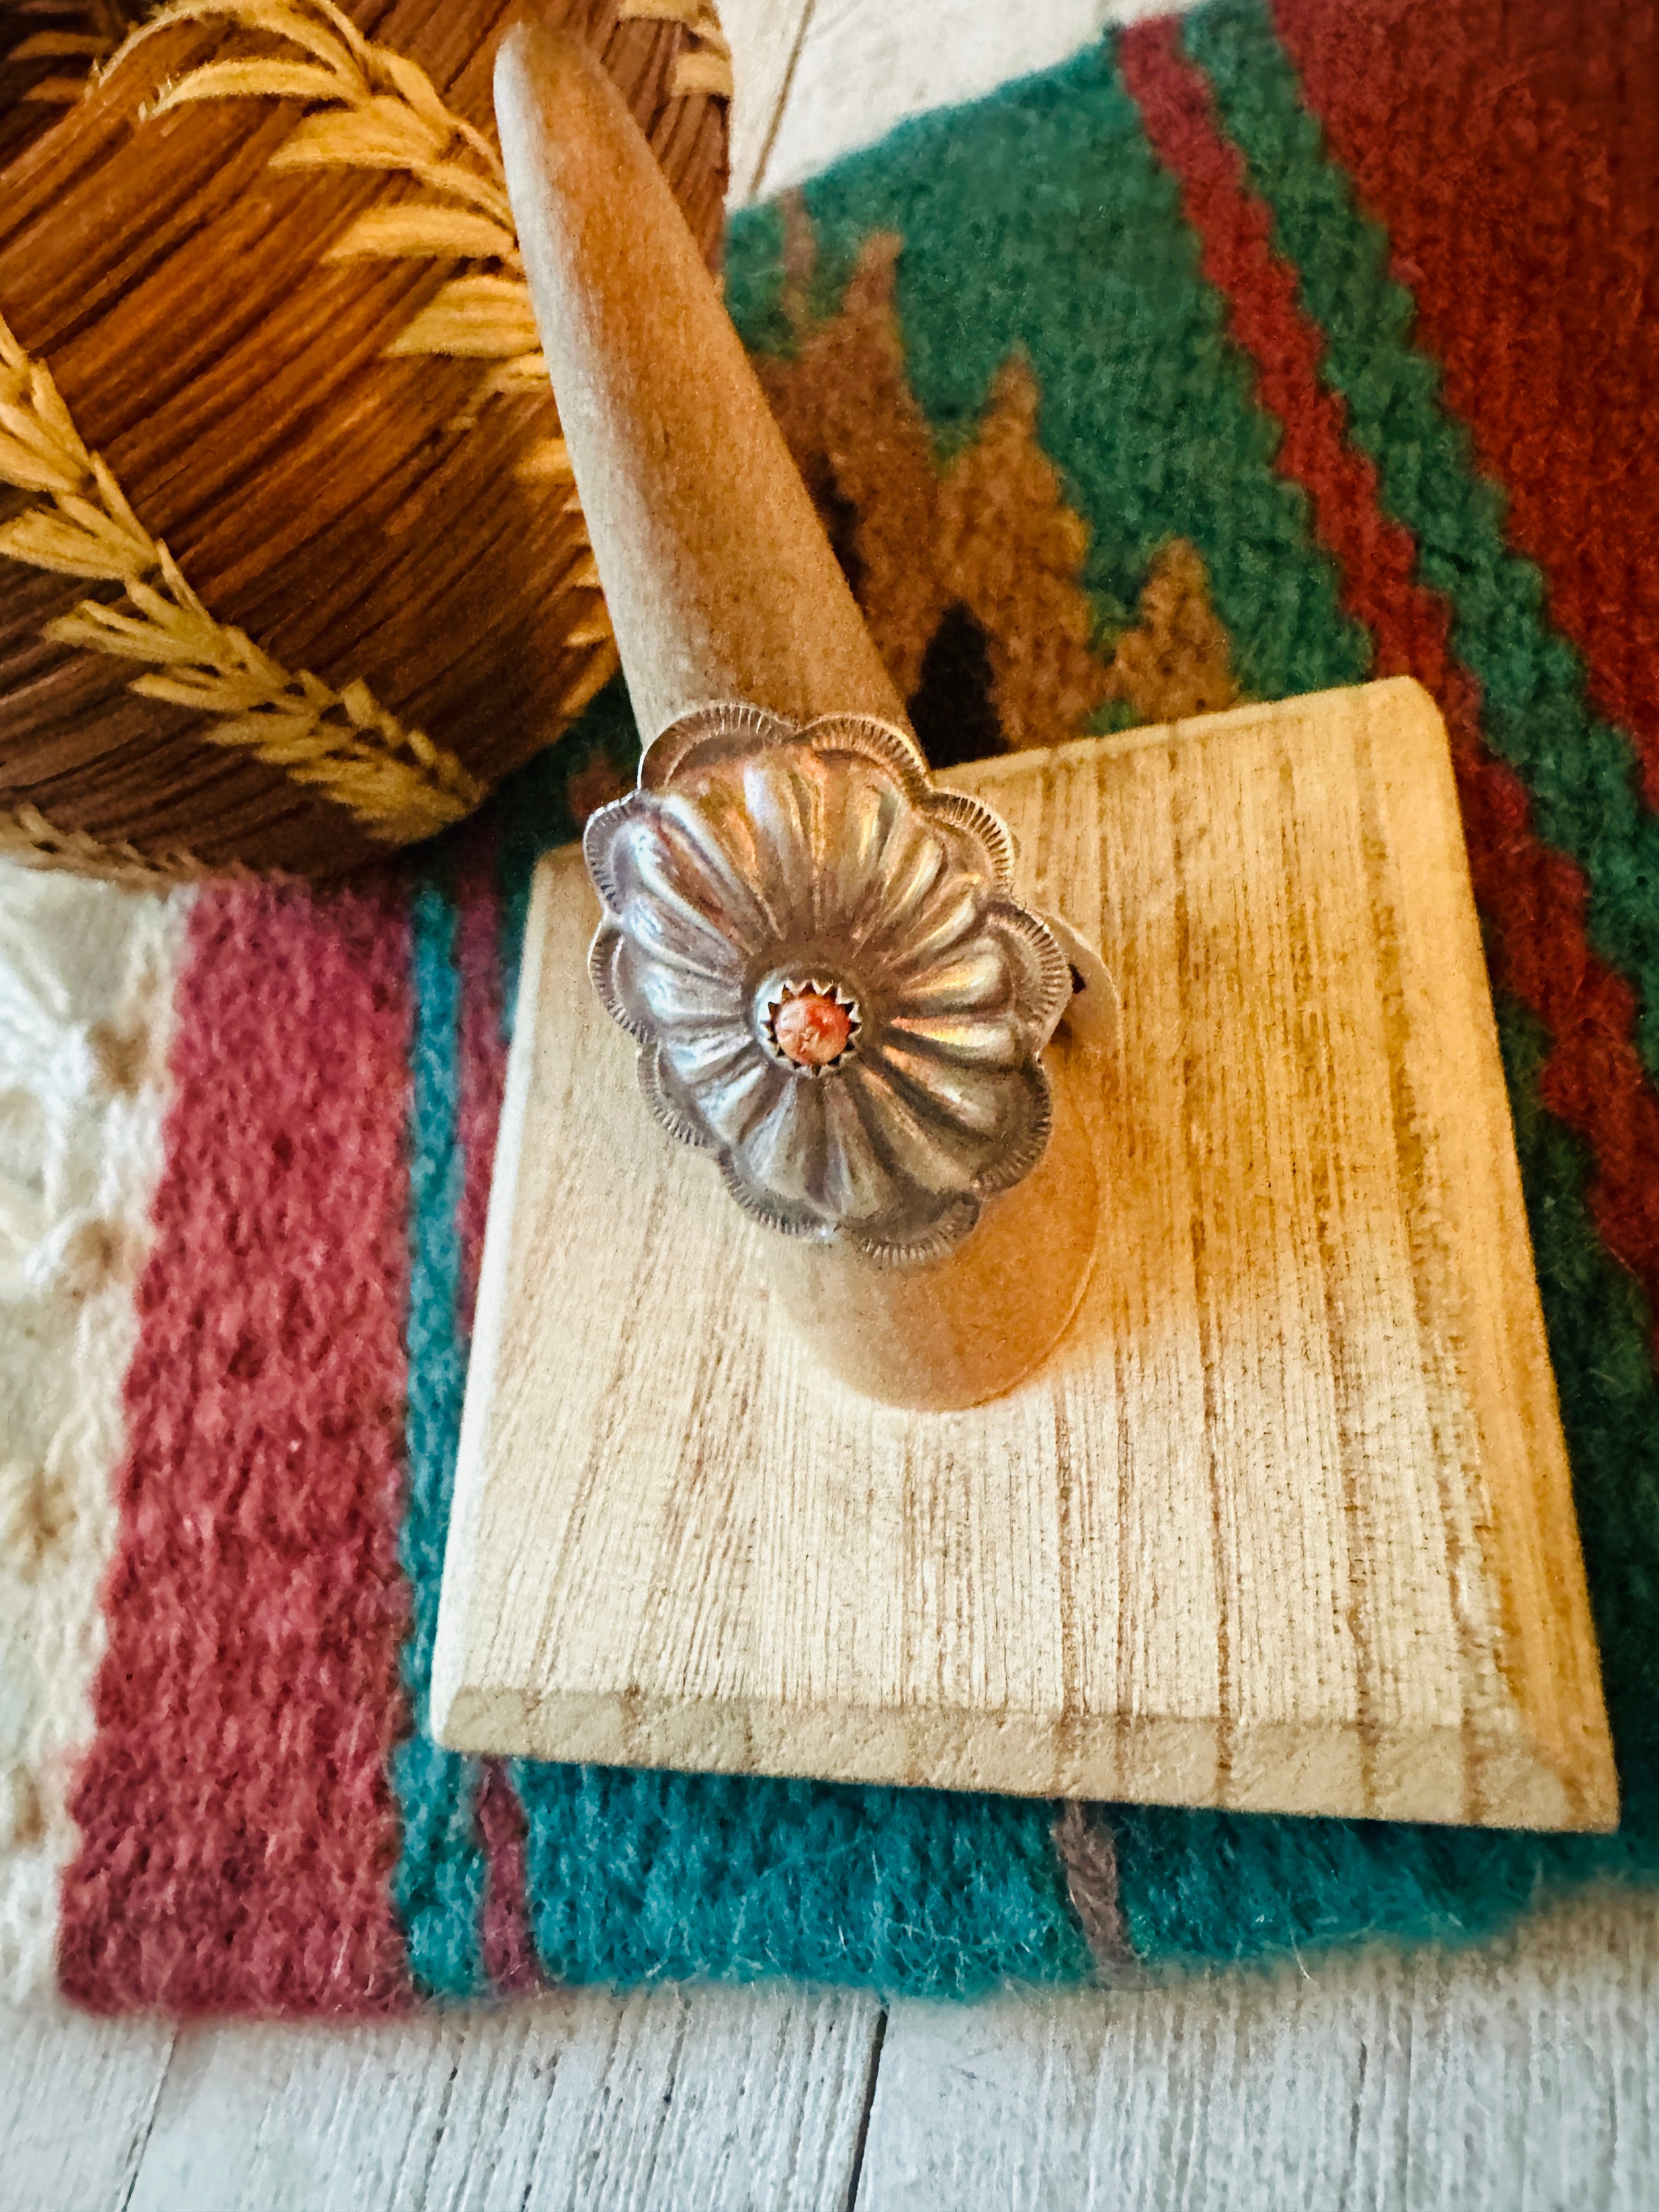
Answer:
[(642, 1877), (1148, 408), (1230, 1886), (1583, 772), (753, 273), (439, 1884)]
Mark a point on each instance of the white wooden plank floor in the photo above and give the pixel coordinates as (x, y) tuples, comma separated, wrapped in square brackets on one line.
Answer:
[(720, 2098), (1516, 2078), (1506, 2079)]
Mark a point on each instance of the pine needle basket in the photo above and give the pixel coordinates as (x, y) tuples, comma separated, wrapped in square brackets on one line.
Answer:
[(292, 567)]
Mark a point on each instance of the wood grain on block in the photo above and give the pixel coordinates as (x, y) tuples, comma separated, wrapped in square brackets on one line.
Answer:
[(1285, 1522)]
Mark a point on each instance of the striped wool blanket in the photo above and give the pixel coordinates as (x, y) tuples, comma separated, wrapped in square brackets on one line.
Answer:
[(1267, 349)]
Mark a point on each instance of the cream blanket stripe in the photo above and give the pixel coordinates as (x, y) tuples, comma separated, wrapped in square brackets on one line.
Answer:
[(86, 989)]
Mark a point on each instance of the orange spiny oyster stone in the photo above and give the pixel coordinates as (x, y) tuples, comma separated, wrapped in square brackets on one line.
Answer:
[(812, 1028)]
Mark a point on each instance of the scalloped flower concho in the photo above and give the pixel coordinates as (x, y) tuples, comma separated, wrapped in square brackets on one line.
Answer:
[(833, 989)]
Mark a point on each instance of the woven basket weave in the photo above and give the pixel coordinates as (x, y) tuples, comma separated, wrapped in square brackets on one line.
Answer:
[(292, 570)]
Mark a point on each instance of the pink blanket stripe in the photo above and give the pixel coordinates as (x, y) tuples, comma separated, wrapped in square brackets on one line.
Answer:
[(237, 1832)]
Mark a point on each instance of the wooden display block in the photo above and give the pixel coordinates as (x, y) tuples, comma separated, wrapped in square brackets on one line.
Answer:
[(1285, 1523)]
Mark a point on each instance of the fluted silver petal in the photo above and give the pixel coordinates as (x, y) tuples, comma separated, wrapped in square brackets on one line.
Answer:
[(782, 1153), (757, 865), (961, 1096), (714, 1054), (864, 814), (992, 1039), (673, 931), (712, 857), (914, 861), (858, 1184), (1026, 1137), (725, 731), (663, 1095), (926, 1150), (952, 914), (974, 819), (731, 1108), (678, 998), (925, 1237), (972, 978)]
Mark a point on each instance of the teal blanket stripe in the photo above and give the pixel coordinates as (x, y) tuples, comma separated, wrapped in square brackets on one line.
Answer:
[(439, 1885), (641, 1877), (532, 815)]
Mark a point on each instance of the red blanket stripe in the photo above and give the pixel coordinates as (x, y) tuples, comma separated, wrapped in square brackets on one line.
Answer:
[(238, 1835), (1533, 897), (1510, 153), (509, 1949), (509, 1953)]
